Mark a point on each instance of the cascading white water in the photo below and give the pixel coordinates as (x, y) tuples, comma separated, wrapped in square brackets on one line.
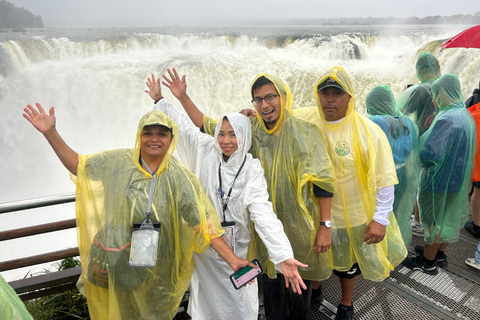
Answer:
[(95, 78)]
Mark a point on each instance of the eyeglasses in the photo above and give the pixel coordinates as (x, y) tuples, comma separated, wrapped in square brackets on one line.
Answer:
[(268, 99)]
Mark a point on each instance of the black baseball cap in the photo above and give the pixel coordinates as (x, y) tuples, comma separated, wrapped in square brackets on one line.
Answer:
[(330, 83)]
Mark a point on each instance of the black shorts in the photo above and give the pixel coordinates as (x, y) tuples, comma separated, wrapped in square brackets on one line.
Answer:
[(350, 274), (476, 184)]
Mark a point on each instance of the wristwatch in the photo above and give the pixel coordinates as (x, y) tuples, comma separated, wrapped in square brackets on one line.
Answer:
[(326, 223)]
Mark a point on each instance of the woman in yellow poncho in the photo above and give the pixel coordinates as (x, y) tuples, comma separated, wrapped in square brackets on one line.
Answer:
[(120, 187)]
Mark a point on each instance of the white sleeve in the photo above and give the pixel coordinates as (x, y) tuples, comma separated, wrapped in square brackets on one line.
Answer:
[(191, 141), (384, 204), (266, 223)]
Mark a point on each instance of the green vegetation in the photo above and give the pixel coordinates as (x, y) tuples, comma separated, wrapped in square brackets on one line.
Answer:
[(13, 17), (66, 305)]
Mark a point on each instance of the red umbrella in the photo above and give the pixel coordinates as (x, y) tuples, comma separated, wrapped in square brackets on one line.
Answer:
[(469, 38)]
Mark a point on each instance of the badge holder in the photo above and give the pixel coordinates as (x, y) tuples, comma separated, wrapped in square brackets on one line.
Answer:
[(144, 248), (229, 235)]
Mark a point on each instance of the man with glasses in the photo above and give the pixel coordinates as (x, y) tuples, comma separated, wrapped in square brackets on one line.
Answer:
[(301, 182)]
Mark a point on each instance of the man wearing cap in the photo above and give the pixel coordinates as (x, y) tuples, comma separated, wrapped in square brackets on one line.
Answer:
[(365, 236), (300, 178)]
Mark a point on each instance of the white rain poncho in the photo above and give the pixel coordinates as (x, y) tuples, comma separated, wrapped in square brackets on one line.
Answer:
[(112, 194), (293, 158), (363, 162), (212, 295), (447, 152), (402, 134), (416, 101)]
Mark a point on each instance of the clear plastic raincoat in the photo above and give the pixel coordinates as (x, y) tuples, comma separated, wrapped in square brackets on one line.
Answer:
[(363, 162), (402, 134), (293, 157), (112, 194), (447, 152), (416, 101), (11, 307), (212, 295)]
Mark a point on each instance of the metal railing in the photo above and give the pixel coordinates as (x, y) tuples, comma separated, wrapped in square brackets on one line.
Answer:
[(45, 284)]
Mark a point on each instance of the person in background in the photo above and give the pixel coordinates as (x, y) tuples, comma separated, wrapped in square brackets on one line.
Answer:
[(474, 98), (473, 226), (402, 134), (475, 261), (416, 103), (236, 186), (147, 186), (366, 238), (300, 180), (447, 151)]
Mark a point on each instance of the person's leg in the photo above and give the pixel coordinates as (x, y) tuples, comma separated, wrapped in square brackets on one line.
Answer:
[(477, 254), (301, 303), (274, 297), (475, 203), (347, 286), (431, 250)]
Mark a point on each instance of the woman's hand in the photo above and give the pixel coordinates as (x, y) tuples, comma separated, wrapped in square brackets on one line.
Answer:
[(39, 119)]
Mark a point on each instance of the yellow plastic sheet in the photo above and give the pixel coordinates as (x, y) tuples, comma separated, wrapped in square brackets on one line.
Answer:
[(112, 194), (363, 162), (293, 158)]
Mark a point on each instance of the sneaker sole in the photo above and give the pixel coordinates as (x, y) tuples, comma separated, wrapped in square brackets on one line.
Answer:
[(473, 265), (418, 234)]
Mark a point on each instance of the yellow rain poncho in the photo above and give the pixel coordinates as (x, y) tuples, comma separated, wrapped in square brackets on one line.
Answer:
[(416, 101), (112, 194), (363, 162), (293, 158), (402, 134), (447, 152)]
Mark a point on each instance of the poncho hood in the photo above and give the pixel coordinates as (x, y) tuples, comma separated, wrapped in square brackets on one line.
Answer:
[(427, 67), (447, 93), (155, 117), (286, 102)]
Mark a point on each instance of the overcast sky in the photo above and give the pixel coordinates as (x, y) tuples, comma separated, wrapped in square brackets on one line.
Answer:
[(182, 12)]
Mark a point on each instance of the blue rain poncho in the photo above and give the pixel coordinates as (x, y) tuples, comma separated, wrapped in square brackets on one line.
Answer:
[(363, 162), (293, 158), (402, 134), (447, 152), (416, 101), (112, 194), (212, 295)]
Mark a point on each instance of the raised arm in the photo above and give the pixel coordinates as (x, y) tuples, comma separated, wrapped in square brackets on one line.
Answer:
[(46, 125), (178, 87)]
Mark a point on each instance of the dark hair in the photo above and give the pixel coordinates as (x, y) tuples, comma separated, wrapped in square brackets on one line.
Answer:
[(260, 82)]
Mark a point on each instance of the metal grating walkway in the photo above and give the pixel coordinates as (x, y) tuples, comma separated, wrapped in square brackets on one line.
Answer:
[(452, 294)]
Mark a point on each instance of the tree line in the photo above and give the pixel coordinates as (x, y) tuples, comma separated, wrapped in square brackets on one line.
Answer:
[(14, 17)]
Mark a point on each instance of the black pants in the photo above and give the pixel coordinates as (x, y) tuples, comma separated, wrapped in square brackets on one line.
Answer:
[(281, 303)]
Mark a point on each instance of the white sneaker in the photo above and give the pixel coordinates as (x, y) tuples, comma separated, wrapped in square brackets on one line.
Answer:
[(417, 229), (472, 263)]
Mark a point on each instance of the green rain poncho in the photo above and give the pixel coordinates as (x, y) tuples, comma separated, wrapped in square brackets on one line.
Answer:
[(112, 194), (447, 152), (11, 307), (402, 134), (293, 158), (363, 162), (416, 101)]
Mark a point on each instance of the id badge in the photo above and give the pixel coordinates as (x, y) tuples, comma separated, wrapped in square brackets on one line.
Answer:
[(229, 235), (143, 252)]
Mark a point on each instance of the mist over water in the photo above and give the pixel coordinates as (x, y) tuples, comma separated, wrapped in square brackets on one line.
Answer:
[(95, 78)]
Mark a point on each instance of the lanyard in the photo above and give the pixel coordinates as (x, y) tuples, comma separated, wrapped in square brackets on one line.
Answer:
[(152, 187), (225, 201)]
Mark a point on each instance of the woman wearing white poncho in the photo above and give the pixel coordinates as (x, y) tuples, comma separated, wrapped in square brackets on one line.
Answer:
[(212, 295)]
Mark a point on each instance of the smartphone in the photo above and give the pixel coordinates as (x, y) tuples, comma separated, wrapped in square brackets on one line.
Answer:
[(244, 275)]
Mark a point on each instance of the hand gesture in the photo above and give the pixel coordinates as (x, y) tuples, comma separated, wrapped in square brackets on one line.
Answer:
[(323, 240), (248, 112), (291, 275), (374, 233), (177, 86), (39, 119), (154, 87)]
